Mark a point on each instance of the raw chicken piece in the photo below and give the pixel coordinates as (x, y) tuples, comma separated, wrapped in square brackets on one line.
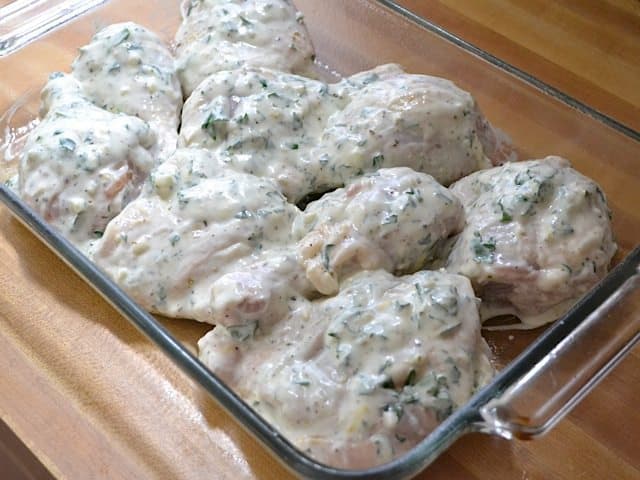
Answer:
[(360, 378), (170, 247), (393, 219), (82, 165), (126, 68), (538, 236), (312, 137), (261, 122), (400, 119), (217, 35), (262, 288)]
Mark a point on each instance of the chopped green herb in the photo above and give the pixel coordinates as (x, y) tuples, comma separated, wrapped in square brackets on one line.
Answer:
[(124, 35), (506, 216), (483, 251), (387, 363), (445, 298), (297, 121), (373, 77), (377, 160), (326, 255), (211, 125), (244, 331), (244, 213), (390, 219), (68, 144)]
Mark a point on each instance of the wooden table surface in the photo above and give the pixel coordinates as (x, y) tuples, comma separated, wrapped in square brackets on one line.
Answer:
[(127, 412)]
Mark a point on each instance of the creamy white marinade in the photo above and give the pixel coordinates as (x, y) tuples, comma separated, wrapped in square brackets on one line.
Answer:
[(359, 378), (190, 227), (311, 137), (128, 69), (219, 35), (538, 236), (394, 219), (319, 313), (261, 122), (398, 119), (81, 165)]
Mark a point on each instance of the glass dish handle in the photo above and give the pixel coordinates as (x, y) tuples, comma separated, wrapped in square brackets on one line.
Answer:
[(559, 380)]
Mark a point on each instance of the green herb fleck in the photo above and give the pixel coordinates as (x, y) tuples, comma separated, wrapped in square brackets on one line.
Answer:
[(326, 255), (390, 219), (124, 35), (296, 121), (244, 331), (506, 216), (483, 251), (211, 125), (377, 160), (68, 144)]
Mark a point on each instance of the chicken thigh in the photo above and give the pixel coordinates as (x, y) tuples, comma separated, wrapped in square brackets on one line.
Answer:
[(357, 379), (394, 219), (397, 119), (169, 248), (262, 122), (217, 35), (126, 68), (538, 236), (312, 137), (82, 165)]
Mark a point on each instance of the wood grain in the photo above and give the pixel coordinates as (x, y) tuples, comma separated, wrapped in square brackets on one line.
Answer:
[(588, 49), (93, 399)]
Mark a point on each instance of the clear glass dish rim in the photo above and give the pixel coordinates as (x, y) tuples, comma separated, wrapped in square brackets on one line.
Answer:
[(467, 418)]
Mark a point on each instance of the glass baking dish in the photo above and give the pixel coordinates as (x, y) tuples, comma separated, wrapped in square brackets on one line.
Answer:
[(523, 400)]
